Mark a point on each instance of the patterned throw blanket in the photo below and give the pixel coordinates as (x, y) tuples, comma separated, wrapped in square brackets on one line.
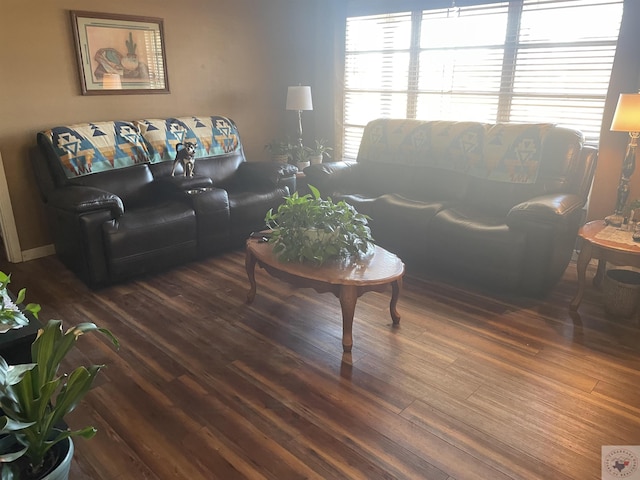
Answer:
[(501, 152), (96, 147)]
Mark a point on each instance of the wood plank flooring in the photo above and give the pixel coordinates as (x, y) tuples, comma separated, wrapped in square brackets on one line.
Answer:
[(469, 386)]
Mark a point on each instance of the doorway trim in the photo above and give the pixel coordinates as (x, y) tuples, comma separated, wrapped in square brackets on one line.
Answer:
[(7, 221)]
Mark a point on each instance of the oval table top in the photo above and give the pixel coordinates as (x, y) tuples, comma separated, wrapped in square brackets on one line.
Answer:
[(380, 267)]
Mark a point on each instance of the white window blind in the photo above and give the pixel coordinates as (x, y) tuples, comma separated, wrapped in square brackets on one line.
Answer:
[(510, 61), (377, 64)]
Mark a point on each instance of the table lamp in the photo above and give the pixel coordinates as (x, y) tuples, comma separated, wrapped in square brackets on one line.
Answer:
[(626, 119), (299, 98)]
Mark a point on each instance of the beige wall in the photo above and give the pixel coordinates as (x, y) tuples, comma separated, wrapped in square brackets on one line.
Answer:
[(226, 57)]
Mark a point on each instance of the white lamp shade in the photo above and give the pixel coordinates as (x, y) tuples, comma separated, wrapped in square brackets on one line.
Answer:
[(627, 115), (299, 98), (111, 81)]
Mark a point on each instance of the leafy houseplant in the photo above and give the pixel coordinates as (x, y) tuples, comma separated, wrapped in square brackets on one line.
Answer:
[(10, 315), (35, 397), (309, 228), (320, 150), (302, 155)]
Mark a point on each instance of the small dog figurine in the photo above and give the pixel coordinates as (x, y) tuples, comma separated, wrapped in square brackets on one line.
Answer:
[(186, 157)]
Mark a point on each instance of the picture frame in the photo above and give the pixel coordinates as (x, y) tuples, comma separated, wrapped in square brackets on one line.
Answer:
[(119, 54)]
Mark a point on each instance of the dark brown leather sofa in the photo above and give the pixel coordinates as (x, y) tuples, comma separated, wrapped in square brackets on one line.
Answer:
[(116, 211), (498, 205)]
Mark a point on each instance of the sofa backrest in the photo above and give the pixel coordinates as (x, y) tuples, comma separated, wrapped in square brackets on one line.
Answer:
[(552, 160), (213, 136), (219, 149), (124, 156), (491, 166), (220, 169), (86, 148), (134, 184)]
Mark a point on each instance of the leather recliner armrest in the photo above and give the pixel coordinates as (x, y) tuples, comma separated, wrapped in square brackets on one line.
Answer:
[(263, 174), (328, 169), (547, 209), (328, 177), (81, 199), (324, 172)]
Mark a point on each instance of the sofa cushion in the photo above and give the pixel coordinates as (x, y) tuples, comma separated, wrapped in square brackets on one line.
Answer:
[(512, 153), (134, 185), (222, 169), (497, 198), (86, 148), (419, 183), (561, 170)]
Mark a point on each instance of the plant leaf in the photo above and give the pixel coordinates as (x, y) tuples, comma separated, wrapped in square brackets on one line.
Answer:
[(9, 425), (75, 389), (8, 457)]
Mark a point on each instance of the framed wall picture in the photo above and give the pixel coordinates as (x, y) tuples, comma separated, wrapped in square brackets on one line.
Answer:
[(119, 54)]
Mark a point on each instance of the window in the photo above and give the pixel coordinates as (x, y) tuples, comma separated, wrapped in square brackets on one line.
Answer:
[(510, 61)]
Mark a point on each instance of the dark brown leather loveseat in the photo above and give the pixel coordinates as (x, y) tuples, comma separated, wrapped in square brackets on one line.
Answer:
[(116, 211), (499, 205)]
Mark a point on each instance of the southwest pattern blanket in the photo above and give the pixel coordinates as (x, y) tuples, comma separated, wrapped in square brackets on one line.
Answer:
[(501, 152), (99, 146)]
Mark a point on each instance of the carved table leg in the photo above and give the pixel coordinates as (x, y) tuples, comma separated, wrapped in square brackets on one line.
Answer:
[(250, 265), (395, 293), (348, 299), (583, 261)]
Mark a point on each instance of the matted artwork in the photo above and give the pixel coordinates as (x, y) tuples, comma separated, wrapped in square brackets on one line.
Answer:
[(119, 54)]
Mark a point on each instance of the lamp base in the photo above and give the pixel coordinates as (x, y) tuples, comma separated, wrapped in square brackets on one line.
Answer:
[(615, 220)]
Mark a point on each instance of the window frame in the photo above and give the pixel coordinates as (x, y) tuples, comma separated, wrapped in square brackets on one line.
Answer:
[(512, 46)]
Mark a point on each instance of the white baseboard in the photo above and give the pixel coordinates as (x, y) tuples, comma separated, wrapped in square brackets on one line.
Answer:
[(38, 252)]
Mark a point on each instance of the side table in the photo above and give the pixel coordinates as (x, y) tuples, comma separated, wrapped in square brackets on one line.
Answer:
[(618, 250)]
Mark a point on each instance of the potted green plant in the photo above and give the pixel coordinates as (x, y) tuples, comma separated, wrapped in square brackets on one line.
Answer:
[(280, 150), (308, 228), (302, 156), (35, 398), (10, 315), (318, 152)]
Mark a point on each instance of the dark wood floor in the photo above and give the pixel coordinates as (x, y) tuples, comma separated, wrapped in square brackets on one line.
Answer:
[(468, 387)]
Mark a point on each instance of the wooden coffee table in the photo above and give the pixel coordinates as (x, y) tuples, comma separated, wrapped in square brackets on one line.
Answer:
[(345, 281), (605, 251)]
